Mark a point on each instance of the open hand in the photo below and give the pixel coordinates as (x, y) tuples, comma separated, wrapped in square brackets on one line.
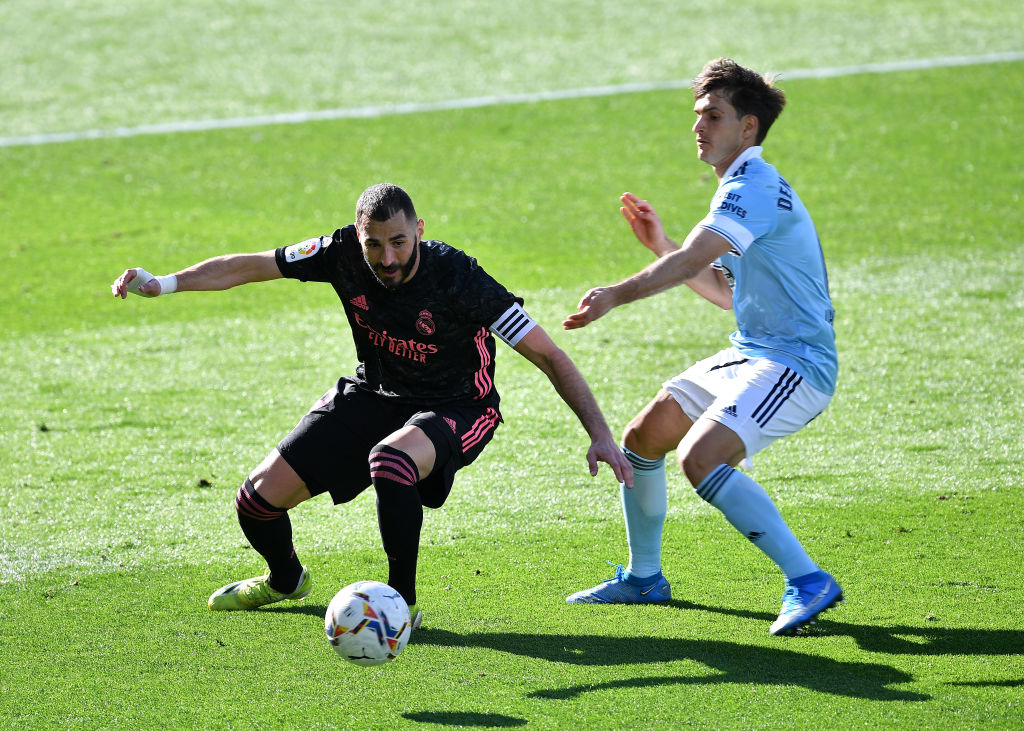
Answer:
[(645, 223)]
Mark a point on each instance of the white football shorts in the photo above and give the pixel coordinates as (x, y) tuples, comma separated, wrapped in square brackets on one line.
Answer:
[(757, 398)]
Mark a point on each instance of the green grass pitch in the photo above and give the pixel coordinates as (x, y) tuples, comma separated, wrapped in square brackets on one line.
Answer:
[(126, 427)]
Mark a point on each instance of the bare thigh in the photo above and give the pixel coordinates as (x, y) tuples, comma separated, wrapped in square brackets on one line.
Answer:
[(661, 427), (277, 483), (658, 428)]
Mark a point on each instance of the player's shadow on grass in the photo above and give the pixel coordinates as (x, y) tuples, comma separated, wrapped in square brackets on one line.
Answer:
[(743, 663), (735, 663), (897, 639), (461, 719)]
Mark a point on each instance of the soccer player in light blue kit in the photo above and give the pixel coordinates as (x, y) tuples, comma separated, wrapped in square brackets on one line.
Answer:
[(757, 253)]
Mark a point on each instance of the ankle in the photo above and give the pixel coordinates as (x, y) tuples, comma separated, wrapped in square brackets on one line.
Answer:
[(635, 580)]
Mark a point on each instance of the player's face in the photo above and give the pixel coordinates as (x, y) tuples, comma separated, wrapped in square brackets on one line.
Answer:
[(391, 248), (721, 133)]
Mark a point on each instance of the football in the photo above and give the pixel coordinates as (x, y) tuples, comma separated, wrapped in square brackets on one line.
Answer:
[(368, 623)]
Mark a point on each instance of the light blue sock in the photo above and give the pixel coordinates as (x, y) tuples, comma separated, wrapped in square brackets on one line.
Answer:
[(748, 508), (644, 508)]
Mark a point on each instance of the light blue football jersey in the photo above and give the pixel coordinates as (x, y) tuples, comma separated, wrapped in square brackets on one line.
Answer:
[(780, 286)]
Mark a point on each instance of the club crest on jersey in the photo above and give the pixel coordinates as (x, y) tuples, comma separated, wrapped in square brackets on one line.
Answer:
[(302, 250), (425, 325)]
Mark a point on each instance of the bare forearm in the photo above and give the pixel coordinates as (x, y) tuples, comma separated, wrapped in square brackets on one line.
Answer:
[(677, 264), (538, 348), (709, 283), (573, 389), (670, 270), (665, 247), (712, 286), (225, 272)]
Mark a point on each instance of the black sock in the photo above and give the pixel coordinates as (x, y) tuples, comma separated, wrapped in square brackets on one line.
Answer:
[(399, 514), (269, 531)]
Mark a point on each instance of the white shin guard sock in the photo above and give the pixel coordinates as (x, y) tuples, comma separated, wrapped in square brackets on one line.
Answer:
[(751, 511), (644, 508)]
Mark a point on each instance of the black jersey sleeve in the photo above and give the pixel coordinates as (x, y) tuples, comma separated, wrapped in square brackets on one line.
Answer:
[(482, 299), (312, 260)]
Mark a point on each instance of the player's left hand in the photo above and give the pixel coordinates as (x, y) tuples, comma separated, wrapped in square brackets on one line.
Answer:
[(646, 225), (605, 450), (594, 304)]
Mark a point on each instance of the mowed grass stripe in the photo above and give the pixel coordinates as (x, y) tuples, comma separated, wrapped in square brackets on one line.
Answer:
[(387, 110)]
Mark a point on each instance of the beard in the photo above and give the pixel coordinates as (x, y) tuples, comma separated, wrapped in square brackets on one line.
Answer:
[(392, 282)]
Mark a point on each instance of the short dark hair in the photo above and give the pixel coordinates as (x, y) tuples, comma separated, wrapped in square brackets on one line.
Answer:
[(382, 201), (746, 90)]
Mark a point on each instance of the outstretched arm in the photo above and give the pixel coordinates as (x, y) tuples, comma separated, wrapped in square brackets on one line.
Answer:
[(538, 348), (646, 225), (220, 272), (692, 259)]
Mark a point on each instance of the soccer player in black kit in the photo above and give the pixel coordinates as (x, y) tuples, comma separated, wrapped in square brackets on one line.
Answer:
[(421, 405)]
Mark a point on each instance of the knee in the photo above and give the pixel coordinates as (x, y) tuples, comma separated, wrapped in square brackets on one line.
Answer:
[(638, 440), (657, 429), (250, 504), (394, 465), (695, 464)]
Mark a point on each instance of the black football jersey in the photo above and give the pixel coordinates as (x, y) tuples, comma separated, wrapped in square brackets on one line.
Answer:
[(427, 341)]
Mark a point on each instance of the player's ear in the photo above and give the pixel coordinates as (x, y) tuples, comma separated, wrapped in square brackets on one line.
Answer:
[(750, 125), (419, 228)]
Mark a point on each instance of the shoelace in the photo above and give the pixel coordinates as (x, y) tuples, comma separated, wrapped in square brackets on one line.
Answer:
[(259, 591), (618, 568), (791, 599)]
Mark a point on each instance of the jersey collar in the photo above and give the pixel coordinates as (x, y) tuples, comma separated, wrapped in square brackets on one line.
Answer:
[(747, 154)]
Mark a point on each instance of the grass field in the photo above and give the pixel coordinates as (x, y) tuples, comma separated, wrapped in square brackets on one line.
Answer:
[(127, 427)]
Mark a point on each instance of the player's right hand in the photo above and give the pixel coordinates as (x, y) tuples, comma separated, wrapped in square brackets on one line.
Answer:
[(595, 303), (137, 281)]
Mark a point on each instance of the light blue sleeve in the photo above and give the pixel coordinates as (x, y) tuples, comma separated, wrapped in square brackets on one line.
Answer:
[(741, 211)]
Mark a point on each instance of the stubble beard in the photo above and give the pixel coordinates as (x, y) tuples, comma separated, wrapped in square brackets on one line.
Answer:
[(403, 270)]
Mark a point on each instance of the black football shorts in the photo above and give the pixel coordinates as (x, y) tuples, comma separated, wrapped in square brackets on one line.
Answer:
[(330, 446)]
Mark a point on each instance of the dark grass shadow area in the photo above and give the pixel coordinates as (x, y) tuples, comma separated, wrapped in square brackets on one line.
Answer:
[(736, 663), (896, 639), (1018, 683), (462, 719), (891, 640)]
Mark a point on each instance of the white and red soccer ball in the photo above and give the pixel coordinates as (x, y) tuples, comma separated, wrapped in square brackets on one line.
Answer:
[(368, 623)]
